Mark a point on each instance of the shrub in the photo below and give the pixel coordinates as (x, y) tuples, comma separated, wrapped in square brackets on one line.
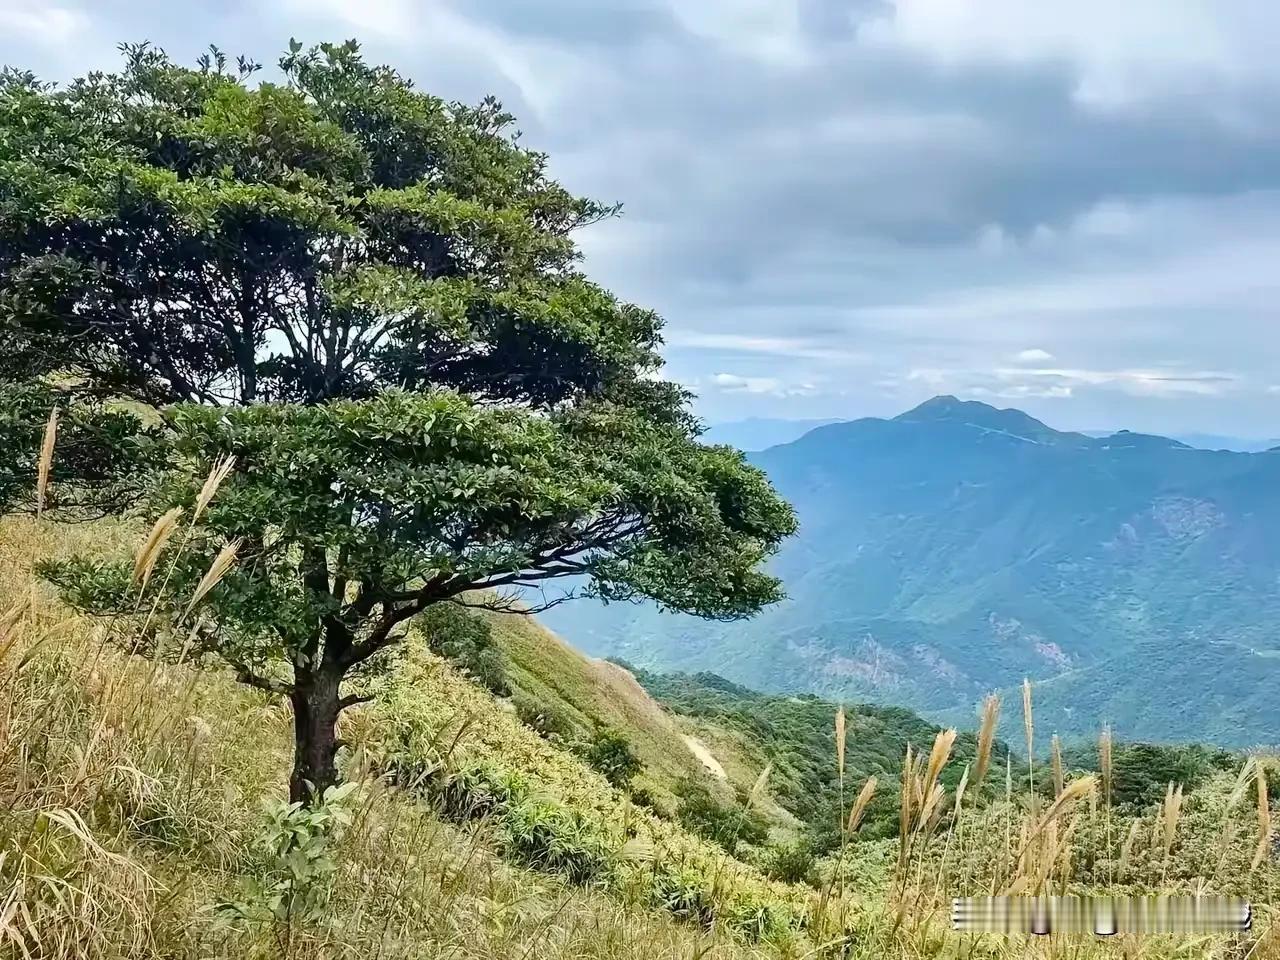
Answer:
[(553, 838), (548, 721), (789, 862), (610, 753), (643, 797), (726, 825), (298, 842), (466, 641), (684, 893), (1143, 770)]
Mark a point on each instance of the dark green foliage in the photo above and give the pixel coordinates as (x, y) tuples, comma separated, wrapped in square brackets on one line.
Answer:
[(467, 641), (725, 824), (103, 454), (1143, 771), (610, 753), (548, 721), (797, 734), (684, 895), (553, 838), (154, 222), (790, 862), (370, 299), (642, 797)]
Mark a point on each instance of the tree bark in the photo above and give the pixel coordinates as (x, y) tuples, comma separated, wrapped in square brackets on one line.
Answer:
[(316, 706)]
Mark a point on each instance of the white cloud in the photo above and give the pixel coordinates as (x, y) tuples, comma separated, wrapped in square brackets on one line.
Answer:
[(387, 18), (771, 386), (1108, 219), (766, 30), (881, 128), (1143, 382), (1021, 391), (1033, 355), (1122, 54), (1019, 383), (992, 239), (42, 23), (748, 343)]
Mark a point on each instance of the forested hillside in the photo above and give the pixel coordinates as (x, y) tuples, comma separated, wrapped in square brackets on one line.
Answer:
[(958, 548)]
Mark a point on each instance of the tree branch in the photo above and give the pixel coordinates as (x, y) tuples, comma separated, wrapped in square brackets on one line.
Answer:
[(248, 677)]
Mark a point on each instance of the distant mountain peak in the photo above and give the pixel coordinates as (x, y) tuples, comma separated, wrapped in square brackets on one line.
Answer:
[(974, 413), (942, 403)]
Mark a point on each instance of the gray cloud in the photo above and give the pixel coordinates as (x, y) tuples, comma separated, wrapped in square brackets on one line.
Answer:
[(848, 206)]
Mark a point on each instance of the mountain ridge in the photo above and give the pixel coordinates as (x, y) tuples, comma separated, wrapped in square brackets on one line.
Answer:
[(957, 547)]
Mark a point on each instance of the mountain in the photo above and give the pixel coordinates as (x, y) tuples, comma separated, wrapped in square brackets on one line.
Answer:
[(1211, 441), (760, 433), (957, 548), (1217, 441)]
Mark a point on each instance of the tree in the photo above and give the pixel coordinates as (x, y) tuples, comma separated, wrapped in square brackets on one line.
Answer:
[(103, 454), (364, 306)]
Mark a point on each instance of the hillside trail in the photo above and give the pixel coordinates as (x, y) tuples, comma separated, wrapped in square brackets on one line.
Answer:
[(708, 759)]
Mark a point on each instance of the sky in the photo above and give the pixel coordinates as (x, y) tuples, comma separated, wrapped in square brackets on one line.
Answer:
[(844, 207)]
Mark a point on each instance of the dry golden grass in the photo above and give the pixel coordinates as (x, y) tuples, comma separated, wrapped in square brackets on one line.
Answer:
[(218, 568), (131, 807), (986, 737), (162, 531)]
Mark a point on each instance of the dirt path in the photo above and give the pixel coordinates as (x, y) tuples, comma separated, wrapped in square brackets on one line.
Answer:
[(699, 750)]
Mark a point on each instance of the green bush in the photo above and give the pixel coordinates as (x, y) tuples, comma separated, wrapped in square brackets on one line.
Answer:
[(684, 893), (550, 722), (550, 837), (1144, 770), (298, 842), (789, 862), (643, 797), (466, 641), (724, 824), (610, 753)]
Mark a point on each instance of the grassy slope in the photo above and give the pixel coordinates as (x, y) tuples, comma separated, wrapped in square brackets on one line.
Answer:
[(796, 734), (129, 808), (596, 694), (150, 807)]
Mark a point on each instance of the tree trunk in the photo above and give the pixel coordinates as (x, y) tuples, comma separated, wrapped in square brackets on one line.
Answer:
[(315, 735)]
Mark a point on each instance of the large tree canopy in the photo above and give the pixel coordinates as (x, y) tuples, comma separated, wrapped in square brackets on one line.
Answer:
[(187, 238), (372, 301)]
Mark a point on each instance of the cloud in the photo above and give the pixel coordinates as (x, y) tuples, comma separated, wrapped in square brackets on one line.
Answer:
[(772, 386), (1020, 391), (1148, 48), (41, 23), (386, 18), (1022, 382), (778, 346), (767, 30), (1144, 382), (874, 198)]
